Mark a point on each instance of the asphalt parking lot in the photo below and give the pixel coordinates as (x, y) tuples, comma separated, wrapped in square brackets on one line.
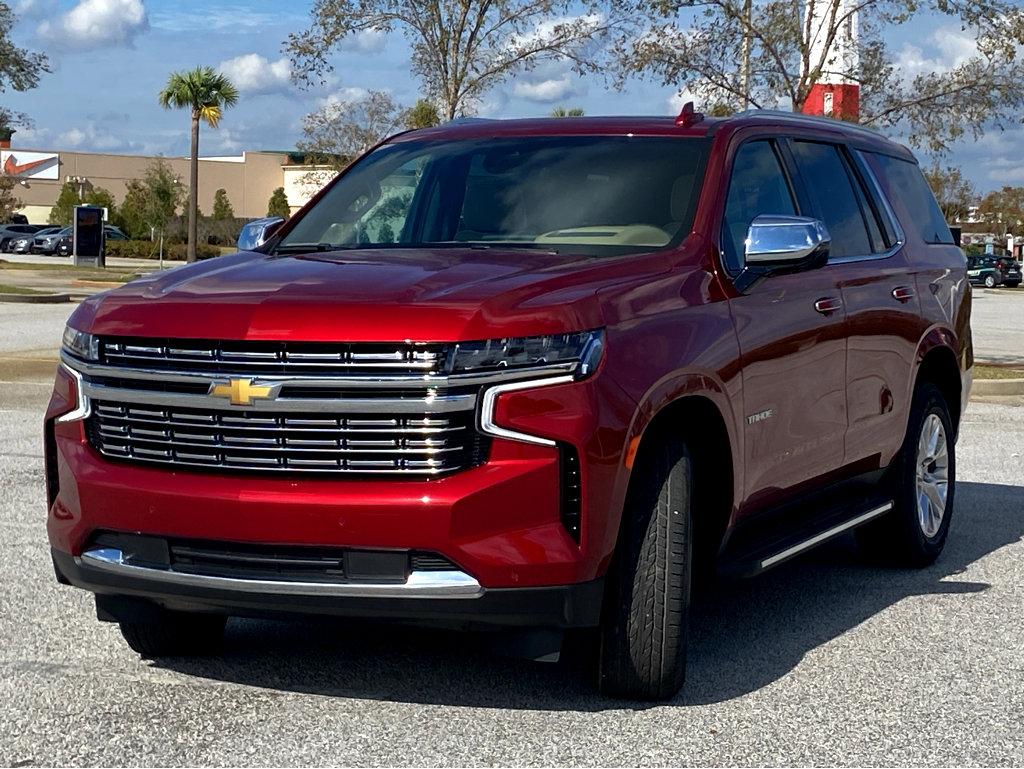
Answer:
[(826, 660)]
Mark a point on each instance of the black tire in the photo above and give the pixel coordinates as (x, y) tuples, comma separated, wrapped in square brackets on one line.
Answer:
[(899, 537), (1012, 285), (643, 631), (176, 634), (990, 281)]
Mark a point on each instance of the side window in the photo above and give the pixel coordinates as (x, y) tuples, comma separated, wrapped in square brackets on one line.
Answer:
[(758, 187), (828, 181), (907, 183)]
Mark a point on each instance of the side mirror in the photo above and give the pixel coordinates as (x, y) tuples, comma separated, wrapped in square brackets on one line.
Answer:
[(269, 230), (783, 244)]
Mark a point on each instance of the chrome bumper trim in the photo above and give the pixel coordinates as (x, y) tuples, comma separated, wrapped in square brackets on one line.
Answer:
[(489, 402), (82, 408), (344, 381), (421, 584), (423, 404)]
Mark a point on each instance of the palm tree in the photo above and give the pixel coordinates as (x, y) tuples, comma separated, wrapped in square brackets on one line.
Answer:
[(207, 94)]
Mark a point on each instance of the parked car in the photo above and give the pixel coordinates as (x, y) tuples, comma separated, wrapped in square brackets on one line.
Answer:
[(9, 232), (530, 374), (255, 233), (1011, 271), (47, 243), (22, 244), (991, 271)]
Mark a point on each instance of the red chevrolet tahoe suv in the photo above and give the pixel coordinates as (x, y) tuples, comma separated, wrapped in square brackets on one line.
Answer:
[(532, 374)]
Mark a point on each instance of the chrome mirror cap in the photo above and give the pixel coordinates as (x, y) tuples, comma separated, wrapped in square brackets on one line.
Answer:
[(774, 240)]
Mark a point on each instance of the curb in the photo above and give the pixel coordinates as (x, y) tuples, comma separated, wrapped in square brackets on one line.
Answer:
[(35, 298), (984, 387), (97, 283)]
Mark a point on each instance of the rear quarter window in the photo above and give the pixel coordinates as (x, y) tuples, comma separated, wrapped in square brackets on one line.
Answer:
[(907, 185)]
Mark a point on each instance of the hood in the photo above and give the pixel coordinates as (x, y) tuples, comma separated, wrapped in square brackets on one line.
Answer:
[(423, 295)]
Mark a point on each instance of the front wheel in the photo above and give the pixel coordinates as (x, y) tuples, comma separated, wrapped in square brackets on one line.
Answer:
[(175, 634), (990, 281), (914, 532), (644, 627)]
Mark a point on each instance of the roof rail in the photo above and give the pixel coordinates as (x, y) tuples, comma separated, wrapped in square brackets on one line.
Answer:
[(799, 117), (468, 120)]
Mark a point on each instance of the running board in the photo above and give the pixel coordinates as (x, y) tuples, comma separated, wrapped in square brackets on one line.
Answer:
[(764, 553)]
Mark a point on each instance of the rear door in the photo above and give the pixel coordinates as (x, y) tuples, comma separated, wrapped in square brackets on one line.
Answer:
[(792, 338), (879, 291)]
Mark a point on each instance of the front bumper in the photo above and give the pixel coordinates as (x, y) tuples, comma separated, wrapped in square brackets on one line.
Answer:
[(125, 592), (500, 524)]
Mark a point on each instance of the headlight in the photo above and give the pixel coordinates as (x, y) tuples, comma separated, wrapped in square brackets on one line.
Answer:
[(80, 344), (584, 348)]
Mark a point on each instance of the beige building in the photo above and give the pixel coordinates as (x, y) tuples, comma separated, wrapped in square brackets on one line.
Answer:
[(249, 178)]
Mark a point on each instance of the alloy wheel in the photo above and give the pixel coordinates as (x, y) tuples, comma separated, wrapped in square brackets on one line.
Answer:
[(932, 475)]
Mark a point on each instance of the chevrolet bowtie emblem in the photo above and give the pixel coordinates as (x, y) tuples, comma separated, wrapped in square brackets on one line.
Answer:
[(241, 392)]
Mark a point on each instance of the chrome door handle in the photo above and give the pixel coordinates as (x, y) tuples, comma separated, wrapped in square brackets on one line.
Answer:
[(903, 293), (828, 305)]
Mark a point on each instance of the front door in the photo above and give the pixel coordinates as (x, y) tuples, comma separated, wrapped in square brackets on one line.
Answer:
[(792, 337)]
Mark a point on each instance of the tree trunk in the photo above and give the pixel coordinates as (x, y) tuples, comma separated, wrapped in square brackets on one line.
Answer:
[(193, 191)]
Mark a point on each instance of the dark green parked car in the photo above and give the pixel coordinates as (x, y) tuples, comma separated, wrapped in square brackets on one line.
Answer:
[(991, 271)]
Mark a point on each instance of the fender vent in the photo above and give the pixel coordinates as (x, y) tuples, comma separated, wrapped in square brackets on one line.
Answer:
[(571, 490)]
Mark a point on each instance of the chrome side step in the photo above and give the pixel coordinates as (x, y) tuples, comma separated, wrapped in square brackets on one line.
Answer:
[(420, 584), (769, 541), (828, 534)]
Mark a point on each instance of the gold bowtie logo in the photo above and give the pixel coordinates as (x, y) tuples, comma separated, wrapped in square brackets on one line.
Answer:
[(241, 392)]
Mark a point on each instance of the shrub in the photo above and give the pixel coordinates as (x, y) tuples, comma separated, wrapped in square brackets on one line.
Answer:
[(146, 249)]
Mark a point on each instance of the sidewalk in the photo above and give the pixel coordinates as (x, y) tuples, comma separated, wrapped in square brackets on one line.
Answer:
[(56, 278)]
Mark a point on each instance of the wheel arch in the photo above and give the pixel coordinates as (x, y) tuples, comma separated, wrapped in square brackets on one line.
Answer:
[(937, 363), (692, 415)]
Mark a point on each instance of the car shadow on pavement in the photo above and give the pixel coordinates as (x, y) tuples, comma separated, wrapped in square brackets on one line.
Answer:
[(744, 635)]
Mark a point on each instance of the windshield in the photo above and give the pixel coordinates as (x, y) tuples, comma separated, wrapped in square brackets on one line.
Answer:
[(583, 195)]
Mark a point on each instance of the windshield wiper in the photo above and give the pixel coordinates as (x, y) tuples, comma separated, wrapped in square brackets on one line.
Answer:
[(308, 248), (486, 245), (474, 245)]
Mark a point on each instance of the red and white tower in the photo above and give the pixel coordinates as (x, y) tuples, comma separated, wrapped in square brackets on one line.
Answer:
[(836, 94)]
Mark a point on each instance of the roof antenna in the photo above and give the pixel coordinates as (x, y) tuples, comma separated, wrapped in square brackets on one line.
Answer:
[(688, 116)]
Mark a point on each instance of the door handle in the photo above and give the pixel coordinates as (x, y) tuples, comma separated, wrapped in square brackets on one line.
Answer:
[(828, 305), (903, 293)]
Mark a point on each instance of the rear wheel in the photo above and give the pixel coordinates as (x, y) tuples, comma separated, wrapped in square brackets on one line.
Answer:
[(914, 532), (643, 632), (1013, 285), (176, 634)]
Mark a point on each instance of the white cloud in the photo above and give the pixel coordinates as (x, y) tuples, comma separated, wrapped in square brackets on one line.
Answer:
[(94, 138), (253, 73), (546, 91), (549, 82), (947, 47), (233, 16), (341, 96), (675, 101), (35, 9), (366, 41), (96, 23)]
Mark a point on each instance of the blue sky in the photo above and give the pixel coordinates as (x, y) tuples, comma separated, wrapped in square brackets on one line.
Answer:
[(111, 57)]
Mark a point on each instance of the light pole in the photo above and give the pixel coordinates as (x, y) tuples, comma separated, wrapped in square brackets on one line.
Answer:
[(748, 16)]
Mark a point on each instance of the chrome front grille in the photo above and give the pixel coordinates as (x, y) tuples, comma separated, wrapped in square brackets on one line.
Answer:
[(423, 444), (341, 408), (271, 358)]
